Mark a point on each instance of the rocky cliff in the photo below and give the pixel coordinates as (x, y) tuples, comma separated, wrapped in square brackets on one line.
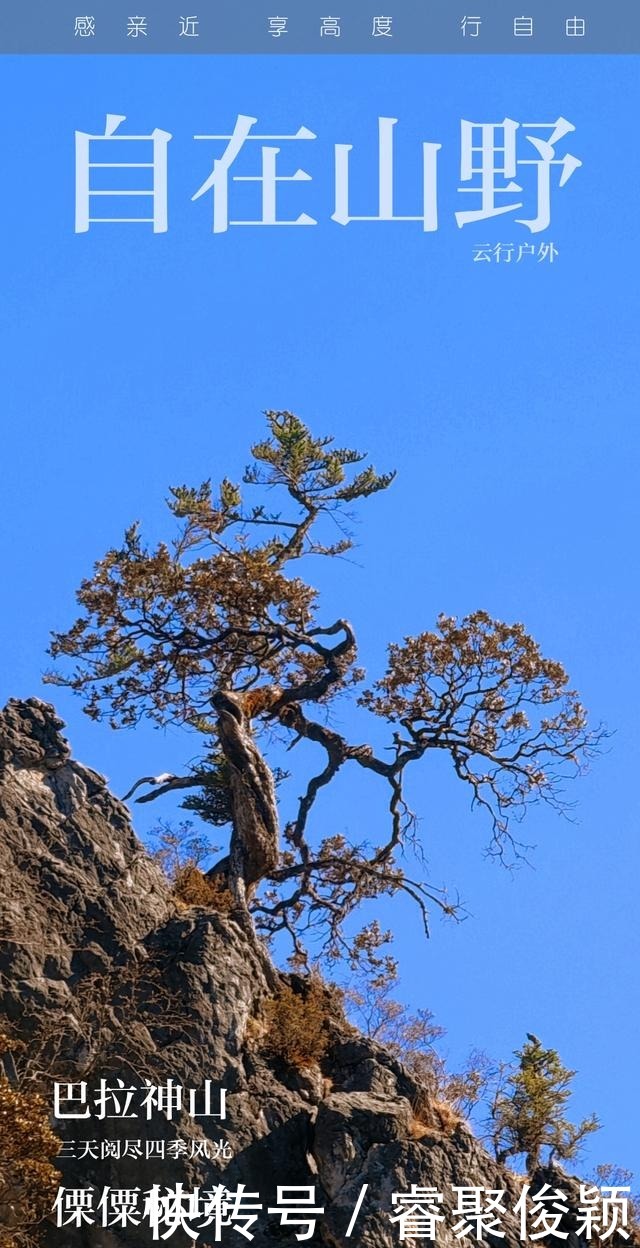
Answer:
[(104, 976)]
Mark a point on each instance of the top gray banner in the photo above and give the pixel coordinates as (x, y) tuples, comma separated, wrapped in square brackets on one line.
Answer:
[(281, 27)]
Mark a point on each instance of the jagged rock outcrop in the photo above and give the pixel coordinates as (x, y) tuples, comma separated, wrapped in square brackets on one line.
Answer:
[(103, 975)]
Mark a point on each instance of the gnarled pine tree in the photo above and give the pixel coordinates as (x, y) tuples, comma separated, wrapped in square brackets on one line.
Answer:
[(218, 631)]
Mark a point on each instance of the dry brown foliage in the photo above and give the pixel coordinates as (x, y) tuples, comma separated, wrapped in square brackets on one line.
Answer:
[(297, 1024), (180, 852), (432, 1117), (28, 1178), (446, 1117), (193, 888)]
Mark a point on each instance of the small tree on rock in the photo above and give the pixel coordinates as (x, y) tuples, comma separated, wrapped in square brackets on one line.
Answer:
[(527, 1112)]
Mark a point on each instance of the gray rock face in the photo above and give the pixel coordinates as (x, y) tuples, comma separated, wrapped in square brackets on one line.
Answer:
[(105, 976)]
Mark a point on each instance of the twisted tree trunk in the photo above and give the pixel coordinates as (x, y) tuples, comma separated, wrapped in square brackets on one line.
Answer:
[(254, 843)]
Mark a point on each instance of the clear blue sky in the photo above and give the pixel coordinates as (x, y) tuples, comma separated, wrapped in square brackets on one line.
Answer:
[(507, 398)]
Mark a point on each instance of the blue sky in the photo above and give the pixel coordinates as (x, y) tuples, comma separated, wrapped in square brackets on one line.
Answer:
[(505, 396)]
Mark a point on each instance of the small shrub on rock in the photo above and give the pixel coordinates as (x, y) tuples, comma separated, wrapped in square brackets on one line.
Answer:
[(193, 888), (297, 1024)]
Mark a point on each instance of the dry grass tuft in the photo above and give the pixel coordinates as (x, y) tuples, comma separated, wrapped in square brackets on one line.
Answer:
[(297, 1024), (432, 1117), (193, 888)]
